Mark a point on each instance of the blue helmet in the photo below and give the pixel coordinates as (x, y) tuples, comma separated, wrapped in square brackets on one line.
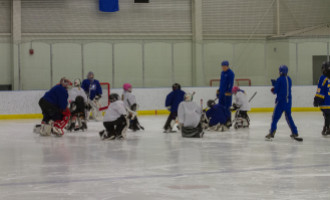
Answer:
[(283, 70), (225, 63)]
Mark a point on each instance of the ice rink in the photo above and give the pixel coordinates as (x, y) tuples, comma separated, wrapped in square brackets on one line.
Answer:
[(151, 165)]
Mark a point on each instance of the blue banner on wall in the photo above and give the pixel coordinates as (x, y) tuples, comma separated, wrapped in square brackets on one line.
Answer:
[(109, 5)]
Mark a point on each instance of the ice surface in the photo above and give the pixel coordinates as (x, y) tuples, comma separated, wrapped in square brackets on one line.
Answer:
[(152, 165)]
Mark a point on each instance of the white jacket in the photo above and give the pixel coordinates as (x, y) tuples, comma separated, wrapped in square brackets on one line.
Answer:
[(114, 111), (189, 114), (241, 99), (77, 91)]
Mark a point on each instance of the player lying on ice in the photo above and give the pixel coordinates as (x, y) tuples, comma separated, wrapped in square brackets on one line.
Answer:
[(322, 97), (131, 107), (217, 117), (241, 106), (78, 107), (282, 89), (189, 116), (173, 99), (54, 110), (114, 121)]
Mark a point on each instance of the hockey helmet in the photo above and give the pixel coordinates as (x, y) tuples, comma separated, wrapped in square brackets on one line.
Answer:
[(113, 97), (77, 82), (90, 75), (326, 69), (210, 103), (176, 86), (127, 86), (283, 69), (235, 89), (65, 82)]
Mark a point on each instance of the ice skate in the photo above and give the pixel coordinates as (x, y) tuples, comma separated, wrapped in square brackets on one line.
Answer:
[(270, 136), (296, 137)]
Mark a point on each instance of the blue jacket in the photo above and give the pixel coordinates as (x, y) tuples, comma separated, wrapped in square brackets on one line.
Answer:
[(282, 88), (173, 99), (217, 114), (57, 96), (91, 88), (322, 93), (226, 83)]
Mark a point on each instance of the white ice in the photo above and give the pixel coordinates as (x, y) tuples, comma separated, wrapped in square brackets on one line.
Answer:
[(151, 165)]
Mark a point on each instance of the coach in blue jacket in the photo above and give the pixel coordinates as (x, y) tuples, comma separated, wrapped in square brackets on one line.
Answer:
[(226, 85)]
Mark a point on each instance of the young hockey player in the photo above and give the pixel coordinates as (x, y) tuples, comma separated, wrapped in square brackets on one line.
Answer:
[(131, 107), (242, 106), (78, 104), (282, 88), (93, 90), (189, 116), (114, 120), (322, 98), (54, 109), (217, 116), (226, 85), (173, 99)]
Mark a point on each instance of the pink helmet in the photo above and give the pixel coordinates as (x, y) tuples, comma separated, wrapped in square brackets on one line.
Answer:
[(235, 89), (127, 86)]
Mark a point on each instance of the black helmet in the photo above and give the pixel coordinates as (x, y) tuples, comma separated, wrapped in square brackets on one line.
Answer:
[(113, 97), (210, 103), (326, 69), (176, 86)]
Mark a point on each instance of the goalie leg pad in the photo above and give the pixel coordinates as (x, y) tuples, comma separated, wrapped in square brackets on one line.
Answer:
[(46, 129)]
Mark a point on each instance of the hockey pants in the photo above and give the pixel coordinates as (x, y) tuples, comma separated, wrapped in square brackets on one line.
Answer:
[(279, 109), (117, 127), (49, 111), (169, 120), (192, 132)]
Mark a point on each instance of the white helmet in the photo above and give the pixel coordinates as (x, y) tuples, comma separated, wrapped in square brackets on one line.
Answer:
[(77, 82)]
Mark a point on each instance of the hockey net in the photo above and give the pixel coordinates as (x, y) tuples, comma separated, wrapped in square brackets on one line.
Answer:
[(238, 82), (104, 101)]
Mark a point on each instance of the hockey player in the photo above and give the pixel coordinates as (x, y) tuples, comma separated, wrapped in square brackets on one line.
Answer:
[(226, 85), (217, 116), (78, 105), (93, 90), (242, 106), (131, 107), (114, 120), (173, 99), (322, 98), (282, 88), (54, 109), (189, 116)]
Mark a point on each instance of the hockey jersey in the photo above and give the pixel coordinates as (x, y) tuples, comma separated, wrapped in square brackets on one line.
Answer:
[(114, 111), (92, 88), (322, 93), (129, 99), (226, 83), (242, 101), (57, 96), (189, 114), (282, 88), (173, 99), (217, 114), (77, 91)]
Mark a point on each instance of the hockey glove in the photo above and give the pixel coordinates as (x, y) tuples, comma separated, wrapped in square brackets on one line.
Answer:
[(235, 106), (273, 82), (97, 97), (317, 101), (88, 106), (272, 90)]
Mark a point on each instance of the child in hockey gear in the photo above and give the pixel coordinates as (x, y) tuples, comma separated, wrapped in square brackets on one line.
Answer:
[(282, 88), (54, 109), (131, 107), (78, 107), (189, 115), (322, 98), (114, 120), (241, 106), (225, 89), (93, 90), (217, 116), (173, 99)]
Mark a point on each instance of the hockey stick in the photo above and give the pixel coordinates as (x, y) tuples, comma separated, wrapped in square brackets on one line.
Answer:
[(254, 94)]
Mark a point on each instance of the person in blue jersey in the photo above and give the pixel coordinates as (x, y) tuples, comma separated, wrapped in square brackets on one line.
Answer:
[(283, 102), (322, 98), (54, 107), (173, 99), (93, 90), (217, 116), (225, 89)]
